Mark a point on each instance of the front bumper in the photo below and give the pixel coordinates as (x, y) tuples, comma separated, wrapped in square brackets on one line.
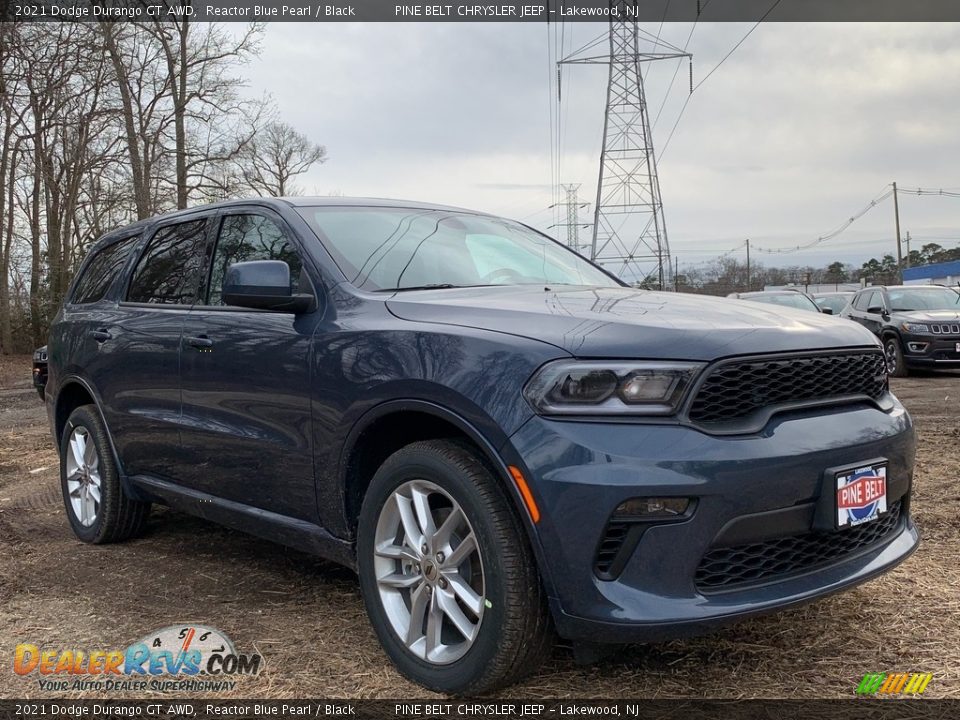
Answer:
[(746, 488), (931, 351)]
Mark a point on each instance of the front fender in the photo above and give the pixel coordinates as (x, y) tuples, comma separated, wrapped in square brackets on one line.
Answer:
[(495, 446)]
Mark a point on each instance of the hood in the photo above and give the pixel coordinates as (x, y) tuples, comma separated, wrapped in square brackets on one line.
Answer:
[(928, 316), (629, 323)]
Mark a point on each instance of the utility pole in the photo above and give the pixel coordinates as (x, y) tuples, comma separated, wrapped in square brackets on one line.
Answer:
[(676, 274), (573, 224), (748, 264), (629, 229), (908, 249), (896, 216)]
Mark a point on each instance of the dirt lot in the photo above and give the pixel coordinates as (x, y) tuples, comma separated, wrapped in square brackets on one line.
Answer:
[(306, 618)]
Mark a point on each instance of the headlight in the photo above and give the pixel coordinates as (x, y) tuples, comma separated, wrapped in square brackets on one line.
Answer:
[(915, 327), (571, 387)]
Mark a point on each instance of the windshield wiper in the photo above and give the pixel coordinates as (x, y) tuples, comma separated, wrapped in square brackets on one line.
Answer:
[(431, 286)]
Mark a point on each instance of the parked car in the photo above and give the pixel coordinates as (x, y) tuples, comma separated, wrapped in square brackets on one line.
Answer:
[(784, 298), (40, 370), (919, 325), (502, 439), (835, 301)]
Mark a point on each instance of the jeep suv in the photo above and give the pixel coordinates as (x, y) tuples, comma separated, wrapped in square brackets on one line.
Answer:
[(504, 441), (919, 325)]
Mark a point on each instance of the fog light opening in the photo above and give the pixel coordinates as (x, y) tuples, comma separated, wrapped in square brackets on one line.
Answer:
[(652, 508), (917, 347)]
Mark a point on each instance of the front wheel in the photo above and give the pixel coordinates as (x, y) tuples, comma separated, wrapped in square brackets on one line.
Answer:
[(896, 367), (447, 574), (98, 508)]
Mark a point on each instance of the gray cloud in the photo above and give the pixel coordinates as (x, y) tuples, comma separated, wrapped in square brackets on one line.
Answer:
[(796, 131)]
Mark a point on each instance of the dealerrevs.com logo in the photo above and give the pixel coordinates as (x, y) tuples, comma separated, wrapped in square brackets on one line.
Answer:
[(170, 658)]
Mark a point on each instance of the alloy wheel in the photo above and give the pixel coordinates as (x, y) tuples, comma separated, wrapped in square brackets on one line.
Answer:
[(891, 353), (429, 572), (83, 476)]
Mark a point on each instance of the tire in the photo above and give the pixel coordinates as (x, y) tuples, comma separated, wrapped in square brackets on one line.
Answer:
[(512, 633), (115, 516), (896, 367)]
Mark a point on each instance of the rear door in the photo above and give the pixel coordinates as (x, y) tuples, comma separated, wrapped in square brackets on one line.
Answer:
[(81, 341), (142, 394), (246, 432)]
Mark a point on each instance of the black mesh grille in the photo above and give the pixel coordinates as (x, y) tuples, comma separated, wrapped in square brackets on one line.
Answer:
[(744, 565), (734, 390), (610, 546)]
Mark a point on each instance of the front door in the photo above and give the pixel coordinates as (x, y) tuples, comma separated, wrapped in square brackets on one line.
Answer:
[(245, 381)]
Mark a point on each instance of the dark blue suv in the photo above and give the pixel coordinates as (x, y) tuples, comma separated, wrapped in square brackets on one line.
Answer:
[(503, 440)]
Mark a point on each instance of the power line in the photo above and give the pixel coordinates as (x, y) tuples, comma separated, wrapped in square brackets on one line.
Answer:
[(928, 191), (712, 71), (734, 48), (829, 236), (715, 258), (676, 72), (873, 203), (840, 229), (656, 41)]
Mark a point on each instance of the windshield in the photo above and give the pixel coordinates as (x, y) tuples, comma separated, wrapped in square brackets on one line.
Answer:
[(834, 302), (794, 300), (406, 249), (933, 298)]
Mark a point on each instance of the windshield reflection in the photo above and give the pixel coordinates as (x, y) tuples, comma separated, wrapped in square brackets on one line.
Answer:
[(406, 249)]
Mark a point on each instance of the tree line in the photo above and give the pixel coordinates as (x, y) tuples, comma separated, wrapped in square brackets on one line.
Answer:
[(728, 274), (107, 123)]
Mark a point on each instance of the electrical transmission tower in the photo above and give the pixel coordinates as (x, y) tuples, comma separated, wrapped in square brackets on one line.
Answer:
[(628, 228), (573, 224)]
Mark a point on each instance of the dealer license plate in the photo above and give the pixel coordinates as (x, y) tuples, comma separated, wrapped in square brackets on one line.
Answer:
[(861, 495)]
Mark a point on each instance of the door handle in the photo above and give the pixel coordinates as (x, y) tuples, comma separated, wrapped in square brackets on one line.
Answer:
[(200, 341), (101, 335)]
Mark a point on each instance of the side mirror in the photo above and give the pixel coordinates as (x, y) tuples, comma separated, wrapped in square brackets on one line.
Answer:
[(876, 310), (263, 285), (826, 311)]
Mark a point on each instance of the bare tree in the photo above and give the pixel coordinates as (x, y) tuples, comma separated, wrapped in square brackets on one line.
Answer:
[(204, 94), (14, 111), (102, 123), (277, 155)]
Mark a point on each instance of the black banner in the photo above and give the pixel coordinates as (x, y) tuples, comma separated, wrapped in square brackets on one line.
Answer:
[(489, 11), (853, 709)]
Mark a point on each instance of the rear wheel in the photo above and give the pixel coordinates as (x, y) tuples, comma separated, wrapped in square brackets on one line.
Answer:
[(896, 367), (447, 574), (98, 509)]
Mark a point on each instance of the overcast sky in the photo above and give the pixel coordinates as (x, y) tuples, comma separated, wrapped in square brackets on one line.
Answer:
[(799, 129)]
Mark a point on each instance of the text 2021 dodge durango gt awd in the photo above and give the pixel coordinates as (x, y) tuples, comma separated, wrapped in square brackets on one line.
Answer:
[(503, 440)]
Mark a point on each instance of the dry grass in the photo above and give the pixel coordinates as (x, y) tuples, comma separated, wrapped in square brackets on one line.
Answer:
[(307, 619)]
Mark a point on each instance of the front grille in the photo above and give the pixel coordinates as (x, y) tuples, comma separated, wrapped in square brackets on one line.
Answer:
[(734, 390), (741, 566), (945, 329)]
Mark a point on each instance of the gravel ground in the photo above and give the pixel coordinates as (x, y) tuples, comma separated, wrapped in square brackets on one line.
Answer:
[(306, 618)]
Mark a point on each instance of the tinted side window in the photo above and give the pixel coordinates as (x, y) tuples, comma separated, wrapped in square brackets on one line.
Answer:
[(250, 237), (861, 302), (169, 271), (101, 271)]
